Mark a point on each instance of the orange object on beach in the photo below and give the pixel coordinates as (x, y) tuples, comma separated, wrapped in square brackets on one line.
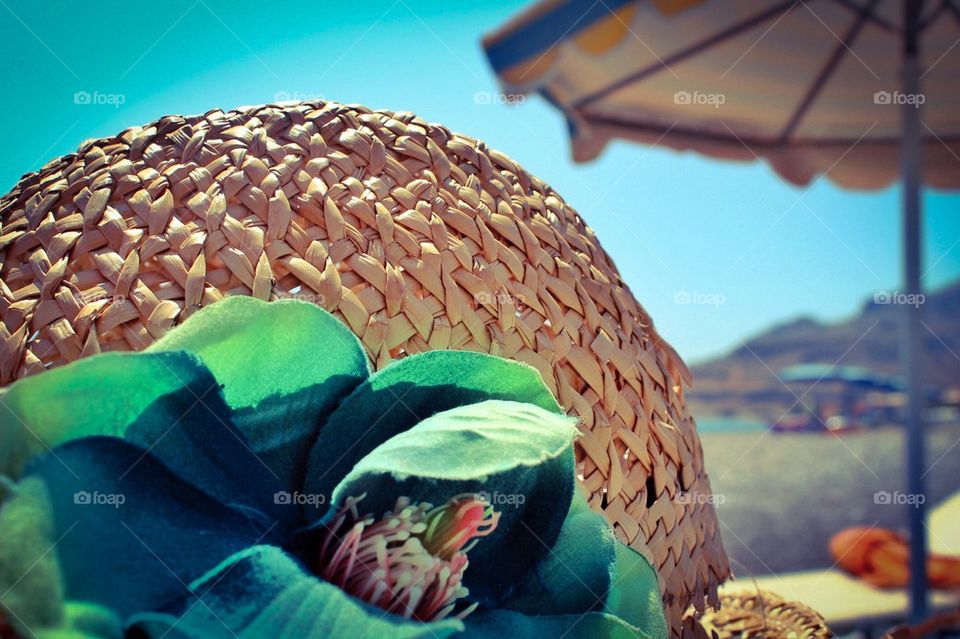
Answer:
[(882, 558)]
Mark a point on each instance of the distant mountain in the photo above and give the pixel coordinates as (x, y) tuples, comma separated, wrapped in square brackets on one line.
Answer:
[(744, 383)]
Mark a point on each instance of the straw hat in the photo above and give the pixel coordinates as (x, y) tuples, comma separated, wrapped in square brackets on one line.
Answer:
[(416, 237), (759, 615)]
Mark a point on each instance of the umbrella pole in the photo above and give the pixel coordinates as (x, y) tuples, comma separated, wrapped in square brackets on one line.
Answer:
[(911, 343)]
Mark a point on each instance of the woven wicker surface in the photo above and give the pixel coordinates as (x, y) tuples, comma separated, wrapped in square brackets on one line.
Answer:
[(758, 615), (416, 237)]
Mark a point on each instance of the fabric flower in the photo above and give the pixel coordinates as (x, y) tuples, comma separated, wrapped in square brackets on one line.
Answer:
[(410, 561), (247, 476)]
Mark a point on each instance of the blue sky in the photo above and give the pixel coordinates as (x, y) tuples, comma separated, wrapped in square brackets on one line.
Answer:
[(753, 249)]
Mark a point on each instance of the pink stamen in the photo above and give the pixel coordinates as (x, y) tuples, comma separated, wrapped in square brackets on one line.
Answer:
[(411, 561)]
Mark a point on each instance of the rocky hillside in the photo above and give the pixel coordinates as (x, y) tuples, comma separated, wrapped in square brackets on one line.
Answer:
[(743, 382)]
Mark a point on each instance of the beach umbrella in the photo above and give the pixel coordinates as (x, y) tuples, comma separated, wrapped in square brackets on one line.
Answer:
[(863, 92), (859, 376)]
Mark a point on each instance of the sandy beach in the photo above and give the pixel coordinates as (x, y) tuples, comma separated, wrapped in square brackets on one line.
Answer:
[(784, 496)]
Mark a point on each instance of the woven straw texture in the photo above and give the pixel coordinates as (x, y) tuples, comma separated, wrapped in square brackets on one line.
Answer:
[(416, 237), (758, 615)]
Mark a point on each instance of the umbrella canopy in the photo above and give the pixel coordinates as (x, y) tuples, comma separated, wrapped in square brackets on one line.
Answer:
[(811, 87), (815, 87)]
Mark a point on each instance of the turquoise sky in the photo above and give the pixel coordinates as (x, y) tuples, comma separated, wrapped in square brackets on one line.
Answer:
[(733, 235)]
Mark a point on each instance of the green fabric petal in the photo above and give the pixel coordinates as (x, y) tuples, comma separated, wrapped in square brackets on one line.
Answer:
[(100, 395), (518, 455), (577, 573), (588, 569), (262, 592), (130, 532), (30, 583), (168, 403), (284, 365), (32, 599), (206, 450), (84, 621), (407, 392), (635, 594)]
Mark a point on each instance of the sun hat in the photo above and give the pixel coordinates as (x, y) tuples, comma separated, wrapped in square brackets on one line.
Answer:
[(416, 237)]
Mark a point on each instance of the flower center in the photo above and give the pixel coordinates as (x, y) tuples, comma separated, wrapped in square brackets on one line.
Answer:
[(451, 527), (409, 562)]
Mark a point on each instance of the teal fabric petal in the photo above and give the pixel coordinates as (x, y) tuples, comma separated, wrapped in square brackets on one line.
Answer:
[(204, 448), (576, 575), (262, 592), (84, 621), (284, 367), (100, 395), (518, 455), (30, 586), (588, 569), (407, 392), (635, 594), (131, 532)]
